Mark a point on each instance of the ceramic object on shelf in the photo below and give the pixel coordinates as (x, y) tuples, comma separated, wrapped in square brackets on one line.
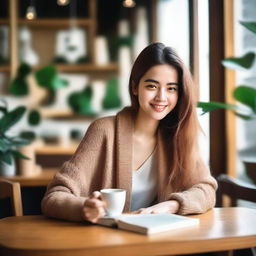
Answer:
[(125, 63), (26, 167), (124, 59), (141, 31), (4, 46), (101, 50), (8, 170), (99, 89), (71, 44), (27, 53)]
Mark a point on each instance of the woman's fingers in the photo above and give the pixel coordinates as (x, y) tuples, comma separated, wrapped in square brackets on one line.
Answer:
[(96, 194), (93, 214), (93, 208)]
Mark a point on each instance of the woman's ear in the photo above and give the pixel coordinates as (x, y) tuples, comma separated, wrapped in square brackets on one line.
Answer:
[(134, 88)]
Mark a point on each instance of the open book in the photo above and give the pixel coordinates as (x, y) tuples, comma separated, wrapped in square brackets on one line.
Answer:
[(148, 223)]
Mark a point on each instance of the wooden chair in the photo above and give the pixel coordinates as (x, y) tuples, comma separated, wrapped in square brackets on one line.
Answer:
[(11, 190), (235, 190)]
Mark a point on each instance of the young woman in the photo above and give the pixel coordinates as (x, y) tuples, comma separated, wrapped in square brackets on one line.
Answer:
[(150, 149)]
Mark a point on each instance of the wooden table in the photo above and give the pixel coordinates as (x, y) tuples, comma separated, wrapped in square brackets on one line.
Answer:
[(41, 179), (220, 229)]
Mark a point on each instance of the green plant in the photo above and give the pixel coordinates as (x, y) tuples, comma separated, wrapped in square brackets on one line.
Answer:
[(8, 143), (245, 95)]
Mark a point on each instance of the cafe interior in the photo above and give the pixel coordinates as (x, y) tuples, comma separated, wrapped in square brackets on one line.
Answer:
[(65, 63)]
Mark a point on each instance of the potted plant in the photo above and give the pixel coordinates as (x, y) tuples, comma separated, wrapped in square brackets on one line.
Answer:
[(8, 143), (245, 95)]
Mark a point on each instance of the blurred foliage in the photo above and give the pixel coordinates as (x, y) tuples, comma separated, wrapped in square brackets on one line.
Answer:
[(34, 117), (112, 99), (80, 102), (47, 77), (243, 94), (8, 143), (19, 85)]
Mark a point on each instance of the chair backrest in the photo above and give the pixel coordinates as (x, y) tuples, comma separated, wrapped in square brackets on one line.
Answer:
[(11, 190), (235, 190)]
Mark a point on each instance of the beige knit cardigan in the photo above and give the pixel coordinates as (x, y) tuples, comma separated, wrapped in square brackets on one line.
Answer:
[(103, 160)]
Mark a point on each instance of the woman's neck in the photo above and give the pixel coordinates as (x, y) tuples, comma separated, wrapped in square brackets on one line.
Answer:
[(146, 127)]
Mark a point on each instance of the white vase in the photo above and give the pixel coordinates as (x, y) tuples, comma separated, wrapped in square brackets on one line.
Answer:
[(71, 44), (125, 64), (141, 31), (99, 89), (27, 53), (101, 51), (7, 170)]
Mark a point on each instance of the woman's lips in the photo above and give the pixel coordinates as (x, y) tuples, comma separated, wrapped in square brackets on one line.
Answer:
[(158, 108)]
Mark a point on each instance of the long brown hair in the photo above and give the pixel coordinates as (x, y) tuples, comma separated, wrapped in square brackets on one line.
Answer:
[(181, 124)]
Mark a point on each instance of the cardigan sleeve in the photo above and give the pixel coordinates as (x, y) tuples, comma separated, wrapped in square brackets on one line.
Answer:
[(199, 197), (69, 189)]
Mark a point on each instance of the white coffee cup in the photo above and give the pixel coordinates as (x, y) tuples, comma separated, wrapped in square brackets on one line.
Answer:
[(114, 199)]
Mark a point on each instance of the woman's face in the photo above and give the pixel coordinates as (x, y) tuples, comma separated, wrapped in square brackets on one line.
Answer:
[(157, 92)]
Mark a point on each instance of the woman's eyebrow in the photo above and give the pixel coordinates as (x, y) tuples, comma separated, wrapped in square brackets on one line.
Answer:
[(154, 81)]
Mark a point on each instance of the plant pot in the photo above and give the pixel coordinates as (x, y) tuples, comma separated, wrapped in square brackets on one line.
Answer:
[(7, 170)]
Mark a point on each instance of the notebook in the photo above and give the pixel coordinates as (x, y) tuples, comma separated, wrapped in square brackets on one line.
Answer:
[(149, 223)]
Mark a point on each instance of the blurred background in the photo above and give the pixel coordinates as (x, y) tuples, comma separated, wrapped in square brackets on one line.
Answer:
[(68, 62)]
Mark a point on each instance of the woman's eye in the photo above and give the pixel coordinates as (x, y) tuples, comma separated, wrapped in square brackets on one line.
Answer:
[(151, 86), (172, 89)]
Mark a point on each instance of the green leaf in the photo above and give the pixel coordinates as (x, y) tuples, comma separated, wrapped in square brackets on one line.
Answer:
[(29, 135), (19, 155), (249, 25), (34, 117), (112, 99), (246, 61), (212, 105), (3, 108), (80, 102), (47, 77), (58, 83), (5, 144), (245, 117), (11, 118), (18, 141), (19, 87), (23, 70), (6, 157), (246, 95)]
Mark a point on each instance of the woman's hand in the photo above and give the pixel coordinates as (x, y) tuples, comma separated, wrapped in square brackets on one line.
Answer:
[(171, 206), (94, 207)]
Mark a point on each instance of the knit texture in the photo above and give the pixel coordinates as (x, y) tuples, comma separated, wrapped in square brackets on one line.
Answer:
[(104, 160)]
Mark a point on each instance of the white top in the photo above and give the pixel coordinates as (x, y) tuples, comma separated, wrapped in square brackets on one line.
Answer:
[(144, 184)]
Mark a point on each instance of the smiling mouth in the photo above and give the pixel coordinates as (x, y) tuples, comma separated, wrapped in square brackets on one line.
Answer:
[(158, 108)]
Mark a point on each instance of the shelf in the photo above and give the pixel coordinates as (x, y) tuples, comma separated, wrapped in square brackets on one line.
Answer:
[(64, 115), (4, 68), (41, 179), (53, 23), (111, 67), (82, 68), (4, 21), (57, 149), (54, 113)]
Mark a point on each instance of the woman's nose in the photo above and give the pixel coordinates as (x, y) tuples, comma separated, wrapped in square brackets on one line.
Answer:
[(161, 94)]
